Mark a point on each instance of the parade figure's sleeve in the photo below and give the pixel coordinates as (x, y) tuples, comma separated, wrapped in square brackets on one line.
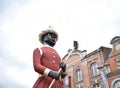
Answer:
[(38, 67)]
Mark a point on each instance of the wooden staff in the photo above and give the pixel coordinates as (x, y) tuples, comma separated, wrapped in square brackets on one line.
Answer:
[(69, 53)]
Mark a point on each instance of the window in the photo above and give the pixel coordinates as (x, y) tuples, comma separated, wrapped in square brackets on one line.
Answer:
[(94, 69), (118, 61), (117, 47), (82, 55), (98, 85), (78, 86), (117, 84), (66, 80), (70, 68), (107, 70), (78, 75)]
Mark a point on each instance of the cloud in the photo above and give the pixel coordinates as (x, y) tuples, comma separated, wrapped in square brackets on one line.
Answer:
[(15, 70), (21, 22)]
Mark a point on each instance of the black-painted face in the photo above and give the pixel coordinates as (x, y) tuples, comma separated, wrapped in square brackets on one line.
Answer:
[(50, 39)]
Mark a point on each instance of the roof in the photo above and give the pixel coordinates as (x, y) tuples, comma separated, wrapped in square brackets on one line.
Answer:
[(115, 39)]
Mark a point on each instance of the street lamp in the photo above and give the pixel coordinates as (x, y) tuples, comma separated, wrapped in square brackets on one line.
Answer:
[(104, 65), (103, 74)]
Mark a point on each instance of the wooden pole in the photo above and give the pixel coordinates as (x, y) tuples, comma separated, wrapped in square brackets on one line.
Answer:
[(69, 81), (60, 68)]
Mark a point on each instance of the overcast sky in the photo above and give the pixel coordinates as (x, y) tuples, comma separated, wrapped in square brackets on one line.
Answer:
[(93, 23)]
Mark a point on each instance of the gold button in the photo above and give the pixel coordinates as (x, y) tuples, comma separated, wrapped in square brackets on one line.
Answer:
[(53, 52), (53, 61), (54, 56)]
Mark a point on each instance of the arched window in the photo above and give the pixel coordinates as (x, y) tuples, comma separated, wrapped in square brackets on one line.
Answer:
[(118, 61), (66, 80), (78, 75), (98, 85), (117, 84), (78, 86), (94, 69)]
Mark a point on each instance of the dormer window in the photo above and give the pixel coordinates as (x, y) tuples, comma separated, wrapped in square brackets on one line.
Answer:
[(117, 47), (118, 61)]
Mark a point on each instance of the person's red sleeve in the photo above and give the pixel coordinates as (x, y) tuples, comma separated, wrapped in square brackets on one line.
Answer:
[(38, 67)]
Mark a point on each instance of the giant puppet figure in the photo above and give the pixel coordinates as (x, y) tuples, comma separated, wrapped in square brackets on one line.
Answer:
[(47, 62)]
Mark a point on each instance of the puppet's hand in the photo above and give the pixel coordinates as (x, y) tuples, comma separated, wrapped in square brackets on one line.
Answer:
[(63, 66), (54, 75)]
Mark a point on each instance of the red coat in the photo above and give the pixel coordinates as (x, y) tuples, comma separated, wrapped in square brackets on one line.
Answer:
[(47, 59)]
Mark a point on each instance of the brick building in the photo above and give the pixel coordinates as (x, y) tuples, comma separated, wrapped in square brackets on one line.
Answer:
[(98, 69)]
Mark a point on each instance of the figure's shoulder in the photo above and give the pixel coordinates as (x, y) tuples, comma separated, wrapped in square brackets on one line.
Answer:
[(35, 50), (38, 50), (38, 47)]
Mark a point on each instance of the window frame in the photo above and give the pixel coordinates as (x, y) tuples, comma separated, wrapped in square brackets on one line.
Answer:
[(117, 84), (97, 85), (94, 70), (66, 80), (78, 75)]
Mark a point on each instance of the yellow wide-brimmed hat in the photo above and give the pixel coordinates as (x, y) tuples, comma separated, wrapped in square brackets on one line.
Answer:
[(44, 32)]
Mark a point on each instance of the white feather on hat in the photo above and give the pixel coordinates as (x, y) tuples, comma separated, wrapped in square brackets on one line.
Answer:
[(49, 30)]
